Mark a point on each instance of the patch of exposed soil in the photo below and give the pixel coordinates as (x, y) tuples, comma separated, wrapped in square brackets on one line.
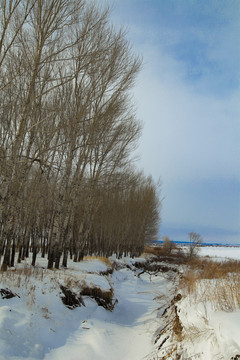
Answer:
[(102, 298), (70, 299)]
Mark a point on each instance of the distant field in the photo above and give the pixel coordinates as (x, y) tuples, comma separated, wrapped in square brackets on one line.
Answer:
[(220, 252), (214, 250)]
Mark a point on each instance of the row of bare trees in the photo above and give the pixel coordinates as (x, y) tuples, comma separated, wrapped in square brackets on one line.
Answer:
[(67, 132)]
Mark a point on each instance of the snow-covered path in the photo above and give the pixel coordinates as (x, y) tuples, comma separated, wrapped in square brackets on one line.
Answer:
[(127, 333), (36, 325)]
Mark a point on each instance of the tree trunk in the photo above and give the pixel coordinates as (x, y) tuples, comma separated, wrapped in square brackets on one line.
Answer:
[(6, 259), (34, 255), (65, 257), (57, 258), (13, 253), (50, 258)]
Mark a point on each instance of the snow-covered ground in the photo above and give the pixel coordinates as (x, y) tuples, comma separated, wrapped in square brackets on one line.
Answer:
[(221, 252), (36, 324), (208, 318), (208, 334)]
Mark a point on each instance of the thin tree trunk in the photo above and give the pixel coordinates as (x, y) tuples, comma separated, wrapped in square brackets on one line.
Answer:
[(65, 257), (34, 255), (13, 253), (6, 259), (50, 258)]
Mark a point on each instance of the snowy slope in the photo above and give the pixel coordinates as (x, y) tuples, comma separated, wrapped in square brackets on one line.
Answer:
[(37, 325), (127, 332), (204, 324), (209, 334)]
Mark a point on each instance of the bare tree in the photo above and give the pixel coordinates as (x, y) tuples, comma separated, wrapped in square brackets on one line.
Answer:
[(194, 244), (67, 131)]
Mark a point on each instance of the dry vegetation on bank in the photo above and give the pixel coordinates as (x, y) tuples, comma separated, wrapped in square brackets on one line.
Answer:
[(217, 282), (207, 291)]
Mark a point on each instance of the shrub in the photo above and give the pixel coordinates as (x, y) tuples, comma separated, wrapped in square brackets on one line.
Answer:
[(168, 245)]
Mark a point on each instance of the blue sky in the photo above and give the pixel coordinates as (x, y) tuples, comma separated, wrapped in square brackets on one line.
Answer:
[(187, 96)]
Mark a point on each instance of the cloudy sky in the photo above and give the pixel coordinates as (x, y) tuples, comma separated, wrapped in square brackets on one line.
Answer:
[(188, 97)]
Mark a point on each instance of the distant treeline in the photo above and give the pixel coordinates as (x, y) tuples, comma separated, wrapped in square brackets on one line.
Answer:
[(202, 244)]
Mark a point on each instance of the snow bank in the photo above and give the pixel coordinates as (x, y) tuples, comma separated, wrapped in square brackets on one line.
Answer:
[(208, 334)]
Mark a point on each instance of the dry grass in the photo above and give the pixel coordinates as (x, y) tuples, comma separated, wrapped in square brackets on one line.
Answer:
[(31, 301), (214, 282), (209, 269), (159, 251), (105, 260), (205, 279), (26, 276), (102, 298), (46, 313), (224, 294), (177, 255), (18, 277), (72, 282), (154, 250), (97, 292)]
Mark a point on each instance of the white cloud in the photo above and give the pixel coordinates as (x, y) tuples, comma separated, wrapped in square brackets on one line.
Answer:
[(187, 135), (188, 138), (187, 95)]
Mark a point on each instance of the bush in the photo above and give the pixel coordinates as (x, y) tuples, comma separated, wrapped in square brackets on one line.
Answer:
[(168, 245)]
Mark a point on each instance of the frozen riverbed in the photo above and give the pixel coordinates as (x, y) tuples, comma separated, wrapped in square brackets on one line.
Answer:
[(36, 325)]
